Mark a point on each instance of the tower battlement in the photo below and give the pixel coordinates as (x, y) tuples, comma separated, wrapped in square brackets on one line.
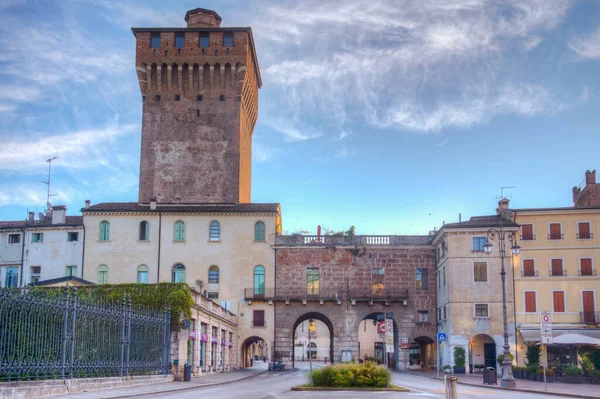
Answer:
[(200, 104)]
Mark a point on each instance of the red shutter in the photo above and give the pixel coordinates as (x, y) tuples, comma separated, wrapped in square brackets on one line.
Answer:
[(586, 267), (528, 268), (584, 230), (589, 308), (555, 233), (527, 232), (559, 301), (259, 318), (557, 267), (530, 306)]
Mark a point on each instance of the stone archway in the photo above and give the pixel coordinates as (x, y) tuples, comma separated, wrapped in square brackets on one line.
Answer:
[(315, 316), (252, 346), (394, 359), (482, 351)]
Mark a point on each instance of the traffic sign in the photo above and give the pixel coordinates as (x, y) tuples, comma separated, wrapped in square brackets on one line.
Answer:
[(381, 327), (389, 348), (546, 327), (442, 337)]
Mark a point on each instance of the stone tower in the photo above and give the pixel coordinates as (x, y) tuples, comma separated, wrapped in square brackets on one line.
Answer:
[(200, 103)]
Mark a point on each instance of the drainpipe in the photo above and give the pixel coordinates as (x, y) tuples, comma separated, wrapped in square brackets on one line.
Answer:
[(20, 283), (83, 252), (274, 299), (159, 239)]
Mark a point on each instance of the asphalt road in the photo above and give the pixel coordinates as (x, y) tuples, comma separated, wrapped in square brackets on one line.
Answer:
[(277, 385)]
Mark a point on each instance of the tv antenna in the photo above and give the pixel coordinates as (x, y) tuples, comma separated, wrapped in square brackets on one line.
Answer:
[(502, 192), (47, 183)]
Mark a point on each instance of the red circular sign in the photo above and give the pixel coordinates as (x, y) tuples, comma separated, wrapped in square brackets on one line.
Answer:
[(546, 318), (381, 327)]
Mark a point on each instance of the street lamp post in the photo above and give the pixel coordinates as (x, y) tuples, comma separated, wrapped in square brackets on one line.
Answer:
[(501, 236), (310, 323)]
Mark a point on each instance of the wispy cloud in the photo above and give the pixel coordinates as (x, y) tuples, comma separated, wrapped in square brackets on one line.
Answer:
[(425, 66), (344, 153), (78, 150), (21, 94), (291, 133), (261, 153), (586, 47)]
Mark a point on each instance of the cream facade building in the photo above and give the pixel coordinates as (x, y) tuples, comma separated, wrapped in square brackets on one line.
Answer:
[(557, 271), (222, 251), (469, 290)]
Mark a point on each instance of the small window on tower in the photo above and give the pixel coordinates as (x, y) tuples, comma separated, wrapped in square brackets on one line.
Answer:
[(177, 97), (166, 53), (155, 40), (222, 98), (157, 98), (199, 98), (204, 39), (197, 112), (228, 39), (179, 39)]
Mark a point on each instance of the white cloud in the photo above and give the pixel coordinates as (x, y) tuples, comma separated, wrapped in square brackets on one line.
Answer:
[(344, 153), (262, 153), (586, 46), (22, 94), (84, 149), (292, 133), (424, 66)]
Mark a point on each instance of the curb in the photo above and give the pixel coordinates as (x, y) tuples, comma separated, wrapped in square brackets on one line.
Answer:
[(565, 395), (184, 388), (334, 389)]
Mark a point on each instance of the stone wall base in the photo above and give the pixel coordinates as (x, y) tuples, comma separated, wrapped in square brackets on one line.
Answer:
[(39, 389)]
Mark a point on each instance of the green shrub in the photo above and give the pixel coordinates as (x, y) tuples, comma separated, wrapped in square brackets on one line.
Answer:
[(500, 358), (350, 375), (594, 373), (533, 355), (532, 368), (550, 372), (459, 356), (572, 370), (595, 357)]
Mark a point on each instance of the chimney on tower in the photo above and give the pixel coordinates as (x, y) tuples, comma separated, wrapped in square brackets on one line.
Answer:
[(590, 194)]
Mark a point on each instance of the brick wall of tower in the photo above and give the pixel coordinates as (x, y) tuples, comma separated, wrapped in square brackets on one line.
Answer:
[(196, 151), (590, 195)]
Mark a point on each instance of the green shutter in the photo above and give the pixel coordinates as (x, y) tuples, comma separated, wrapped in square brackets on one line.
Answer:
[(147, 231)]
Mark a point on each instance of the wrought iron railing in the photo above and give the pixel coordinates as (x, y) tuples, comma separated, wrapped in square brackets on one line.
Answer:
[(592, 272), (587, 236), (589, 317), (258, 294), (310, 295), (558, 273), (528, 237), (534, 273), (368, 294), (556, 236), (55, 334)]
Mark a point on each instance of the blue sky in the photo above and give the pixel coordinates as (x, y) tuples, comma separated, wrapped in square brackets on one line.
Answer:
[(392, 116)]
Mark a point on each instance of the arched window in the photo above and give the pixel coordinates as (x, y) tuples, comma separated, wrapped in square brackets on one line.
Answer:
[(103, 274), (142, 274), (213, 275), (104, 231), (144, 231), (215, 231), (178, 273), (259, 280), (179, 234), (259, 231)]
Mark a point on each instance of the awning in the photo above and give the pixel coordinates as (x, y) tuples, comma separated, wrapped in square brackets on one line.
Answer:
[(534, 335)]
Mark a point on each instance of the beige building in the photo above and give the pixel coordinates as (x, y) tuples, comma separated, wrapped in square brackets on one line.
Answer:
[(469, 290), (556, 271), (222, 251)]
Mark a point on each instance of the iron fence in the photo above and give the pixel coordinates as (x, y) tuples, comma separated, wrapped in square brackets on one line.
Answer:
[(47, 334)]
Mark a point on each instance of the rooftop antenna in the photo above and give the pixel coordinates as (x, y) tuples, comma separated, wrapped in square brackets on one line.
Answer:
[(48, 183), (502, 193)]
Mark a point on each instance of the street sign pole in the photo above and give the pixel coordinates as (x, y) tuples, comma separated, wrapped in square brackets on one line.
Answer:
[(546, 330), (437, 350)]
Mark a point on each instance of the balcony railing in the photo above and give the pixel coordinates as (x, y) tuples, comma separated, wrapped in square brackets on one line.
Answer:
[(558, 273), (592, 273), (340, 240), (367, 294), (585, 236), (310, 295), (529, 274), (528, 238), (255, 294), (590, 317), (556, 236)]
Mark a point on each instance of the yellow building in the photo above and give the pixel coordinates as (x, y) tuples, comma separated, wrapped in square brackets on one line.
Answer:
[(556, 271)]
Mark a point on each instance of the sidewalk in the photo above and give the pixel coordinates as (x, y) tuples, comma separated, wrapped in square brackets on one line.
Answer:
[(197, 382), (554, 388)]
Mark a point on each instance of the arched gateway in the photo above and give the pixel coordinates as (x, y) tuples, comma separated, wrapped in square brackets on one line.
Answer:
[(313, 316)]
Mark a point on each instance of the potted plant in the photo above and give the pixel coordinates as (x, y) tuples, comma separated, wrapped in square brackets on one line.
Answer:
[(594, 376), (447, 369), (550, 375), (516, 371), (459, 360), (532, 372), (573, 374)]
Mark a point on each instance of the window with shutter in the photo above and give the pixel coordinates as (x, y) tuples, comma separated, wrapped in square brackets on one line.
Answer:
[(528, 268), (103, 274), (259, 231), (179, 234), (589, 308), (586, 267), (530, 305), (259, 318), (104, 231), (584, 231), (526, 232), (557, 267), (555, 231), (559, 301), (480, 271)]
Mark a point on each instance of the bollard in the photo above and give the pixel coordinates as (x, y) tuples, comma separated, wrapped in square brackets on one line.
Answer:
[(451, 387)]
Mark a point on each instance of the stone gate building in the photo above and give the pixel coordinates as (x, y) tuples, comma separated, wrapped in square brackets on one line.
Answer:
[(343, 280)]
